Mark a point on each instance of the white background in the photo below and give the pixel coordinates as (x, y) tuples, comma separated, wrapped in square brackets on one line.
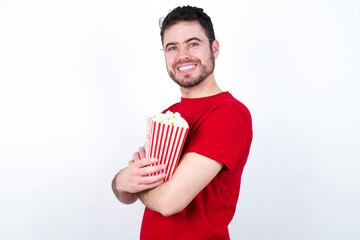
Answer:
[(77, 79)]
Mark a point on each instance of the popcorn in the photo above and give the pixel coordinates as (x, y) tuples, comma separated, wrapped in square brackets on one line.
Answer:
[(165, 138), (170, 118)]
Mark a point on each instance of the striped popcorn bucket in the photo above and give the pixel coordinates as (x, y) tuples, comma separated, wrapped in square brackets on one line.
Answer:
[(164, 142)]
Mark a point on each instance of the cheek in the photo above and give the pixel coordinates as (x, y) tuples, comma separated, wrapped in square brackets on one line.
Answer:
[(200, 57), (168, 63)]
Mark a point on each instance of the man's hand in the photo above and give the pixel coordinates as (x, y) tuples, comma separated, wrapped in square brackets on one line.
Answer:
[(135, 178)]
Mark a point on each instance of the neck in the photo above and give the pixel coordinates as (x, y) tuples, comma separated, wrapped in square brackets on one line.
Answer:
[(206, 88)]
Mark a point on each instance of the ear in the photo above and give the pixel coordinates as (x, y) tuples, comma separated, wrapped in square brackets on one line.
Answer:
[(215, 48)]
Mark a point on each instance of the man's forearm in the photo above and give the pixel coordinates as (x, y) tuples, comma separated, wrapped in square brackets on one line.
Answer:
[(158, 200), (174, 195)]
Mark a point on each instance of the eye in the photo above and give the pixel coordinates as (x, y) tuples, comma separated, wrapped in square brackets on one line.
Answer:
[(193, 44), (171, 48)]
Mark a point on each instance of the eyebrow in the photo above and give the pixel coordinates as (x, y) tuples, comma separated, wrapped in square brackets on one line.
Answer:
[(186, 41)]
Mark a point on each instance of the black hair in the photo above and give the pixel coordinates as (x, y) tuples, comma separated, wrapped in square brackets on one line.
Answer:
[(188, 13)]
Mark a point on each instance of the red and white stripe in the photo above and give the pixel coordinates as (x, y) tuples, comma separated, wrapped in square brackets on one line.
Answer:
[(165, 143)]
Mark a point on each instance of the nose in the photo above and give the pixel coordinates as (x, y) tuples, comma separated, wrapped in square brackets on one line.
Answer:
[(183, 52)]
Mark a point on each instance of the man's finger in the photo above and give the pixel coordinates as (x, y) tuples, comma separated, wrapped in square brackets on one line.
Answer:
[(136, 156), (152, 185), (142, 152), (151, 169), (148, 180), (145, 162)]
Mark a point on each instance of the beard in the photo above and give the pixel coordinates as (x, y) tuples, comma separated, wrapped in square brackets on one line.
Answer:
[(205, 71)]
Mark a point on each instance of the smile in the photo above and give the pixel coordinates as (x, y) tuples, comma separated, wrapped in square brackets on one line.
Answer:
[(186, 67)]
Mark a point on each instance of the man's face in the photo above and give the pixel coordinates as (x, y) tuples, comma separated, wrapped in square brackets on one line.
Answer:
[(189, 58)]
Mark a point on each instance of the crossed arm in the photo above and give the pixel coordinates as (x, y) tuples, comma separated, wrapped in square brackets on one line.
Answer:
[(191, 176)]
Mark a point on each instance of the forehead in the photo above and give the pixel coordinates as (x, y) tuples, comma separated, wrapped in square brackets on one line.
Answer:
[(182, 31)]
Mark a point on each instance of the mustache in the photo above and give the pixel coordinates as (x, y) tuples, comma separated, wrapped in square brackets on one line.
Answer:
[(197, 61)]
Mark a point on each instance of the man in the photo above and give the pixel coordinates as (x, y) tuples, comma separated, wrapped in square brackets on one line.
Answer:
[(199, 200)]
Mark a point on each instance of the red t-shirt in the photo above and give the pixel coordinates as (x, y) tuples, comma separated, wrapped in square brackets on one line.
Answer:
[(220, 128)]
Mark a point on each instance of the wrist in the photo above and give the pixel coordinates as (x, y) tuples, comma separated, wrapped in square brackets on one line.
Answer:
[(121, 194)]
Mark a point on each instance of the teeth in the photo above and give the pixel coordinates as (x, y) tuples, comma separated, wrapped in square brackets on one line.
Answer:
[(186, 67)]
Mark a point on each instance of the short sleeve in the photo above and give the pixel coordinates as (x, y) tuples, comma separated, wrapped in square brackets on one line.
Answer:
[(225, 136)]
